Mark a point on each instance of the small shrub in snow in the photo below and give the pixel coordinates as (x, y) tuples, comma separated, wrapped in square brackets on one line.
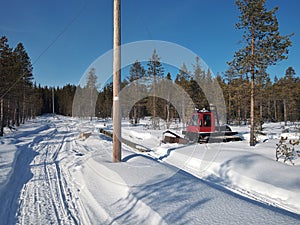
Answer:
[(286, 150)]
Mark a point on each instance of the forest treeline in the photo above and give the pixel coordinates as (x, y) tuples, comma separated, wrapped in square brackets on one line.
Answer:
[(151, 92), (275, 100)]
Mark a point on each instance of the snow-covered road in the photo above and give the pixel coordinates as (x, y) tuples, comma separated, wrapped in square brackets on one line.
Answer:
[(38, 191), (56, 178)]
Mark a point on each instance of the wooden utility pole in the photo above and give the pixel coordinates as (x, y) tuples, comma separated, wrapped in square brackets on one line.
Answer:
[(116, 84)]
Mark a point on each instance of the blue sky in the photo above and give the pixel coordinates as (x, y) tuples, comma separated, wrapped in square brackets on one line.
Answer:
[(64, 37)]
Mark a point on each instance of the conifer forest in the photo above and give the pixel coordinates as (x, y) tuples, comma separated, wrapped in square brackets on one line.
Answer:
[(23, 99), (251, 94)]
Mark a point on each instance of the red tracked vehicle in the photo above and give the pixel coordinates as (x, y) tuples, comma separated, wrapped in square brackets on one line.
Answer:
[(204, 127)]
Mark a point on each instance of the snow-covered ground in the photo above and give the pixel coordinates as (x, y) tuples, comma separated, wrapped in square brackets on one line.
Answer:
[(49, 175)]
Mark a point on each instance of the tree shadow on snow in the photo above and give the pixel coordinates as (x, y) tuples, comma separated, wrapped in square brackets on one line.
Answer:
[(10, 194), (171, 150), (171, 199), (185, 199), (224, 180)]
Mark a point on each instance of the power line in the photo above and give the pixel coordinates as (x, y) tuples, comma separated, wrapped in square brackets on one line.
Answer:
[(61, 33), (48, 46)]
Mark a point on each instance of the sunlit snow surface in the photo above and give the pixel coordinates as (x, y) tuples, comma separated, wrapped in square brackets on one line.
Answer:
[(48, 175)]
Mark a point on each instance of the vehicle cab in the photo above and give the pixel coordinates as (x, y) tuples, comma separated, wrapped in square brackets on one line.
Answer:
[(202, 121)]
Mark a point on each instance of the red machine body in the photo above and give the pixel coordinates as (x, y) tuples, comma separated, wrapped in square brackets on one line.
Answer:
[(202, 121), (203, 126)]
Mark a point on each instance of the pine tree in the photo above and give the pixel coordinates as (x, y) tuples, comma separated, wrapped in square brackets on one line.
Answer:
[(288, 93), (65, 97), (183, 79), (234, 94), (168, 99), (275, 97), (268, 97), (105, 101), (24, 81), (92, 93), (264, 45), (262, 79), (198, 95), (137, 72), (155, 72), (17, 94), (5, 79)]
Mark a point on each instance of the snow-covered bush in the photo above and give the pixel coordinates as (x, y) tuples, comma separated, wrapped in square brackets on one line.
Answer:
[(286, 150)]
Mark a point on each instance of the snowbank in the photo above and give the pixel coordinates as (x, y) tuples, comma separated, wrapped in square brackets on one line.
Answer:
[(250, 171)]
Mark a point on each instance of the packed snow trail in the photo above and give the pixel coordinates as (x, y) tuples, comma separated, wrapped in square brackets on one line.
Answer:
[(37, 192), (46, 192)]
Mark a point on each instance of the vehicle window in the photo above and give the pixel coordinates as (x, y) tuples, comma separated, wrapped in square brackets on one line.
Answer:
[(194, 120), (207, 120)]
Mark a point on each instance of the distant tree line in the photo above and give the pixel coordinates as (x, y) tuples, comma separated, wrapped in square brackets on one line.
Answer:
[(17, 92), (151, 92), (21, 99), (277, 100)]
